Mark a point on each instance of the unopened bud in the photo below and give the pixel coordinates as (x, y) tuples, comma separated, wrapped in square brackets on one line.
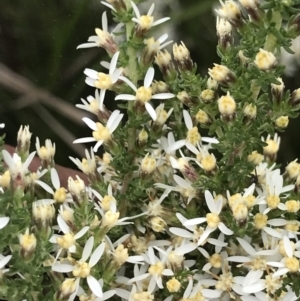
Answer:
[(148, 164), (182, 57), (143, 137), (243, 59), (265, 60), (252, 7), (272, 147), (250, 111), (67, 288), (28, 244), (226, 105), (211, 84), (295, 97), (202, 117), (293, 169), (224, 30), (221, 74), (294, 25), (77, 189), (43, 213), (188, 100), (231, 11), (46, 153), (255, 158), (207, 95), (282, 122), (240, 212), (121, 255), (157, 224), (23, 140), (277, 89), (159, 87), (164, 61)]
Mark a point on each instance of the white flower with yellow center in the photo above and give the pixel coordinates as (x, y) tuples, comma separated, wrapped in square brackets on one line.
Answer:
[(145, 22), (104, 81), (92, 104), (103, 38), (88, 164), (68, 240), (101, 133), (213, 220), (143, 94), (60, 194), (106, 201), (82, 269)]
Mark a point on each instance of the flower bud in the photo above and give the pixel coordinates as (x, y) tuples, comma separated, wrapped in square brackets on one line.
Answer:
[(162, 116), (208, 162), (282, 122), (77, 189), (243, 59), (252, 7), (188, 100), (226, 105), (43, 213), (211, 84), (255, 157), (159, 87), (202, 117), (250, 111), (173, 285), (148, 165), (265, 60), (157, 224), (46, 153), (231, 11), (293, 169), (221, 74), (143, 137), (224, 30), (272, 147), (277, 90), (182, 57), (67, 288), (240, 212), (28, 244), (23, 140), (294, 25), (295, 97), (121, 255), (164, 61), (5, 180), (207, 95)]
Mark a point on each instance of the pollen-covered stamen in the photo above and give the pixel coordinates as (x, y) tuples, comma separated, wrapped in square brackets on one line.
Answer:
[(193, 136), (260, 220), (82, 269), (156, 269), (143, 94), (212, 220), (104, 81), (107, 201), (215, 260), (66, 241), (273, 201), (60, 195), (102, 133), (144, 296), (292, 263), (146, 22)]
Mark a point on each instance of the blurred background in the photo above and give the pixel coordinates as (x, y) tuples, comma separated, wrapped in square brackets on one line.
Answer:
[(41, 72)]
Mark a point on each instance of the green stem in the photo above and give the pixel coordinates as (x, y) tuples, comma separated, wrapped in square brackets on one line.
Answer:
[(270, 42)]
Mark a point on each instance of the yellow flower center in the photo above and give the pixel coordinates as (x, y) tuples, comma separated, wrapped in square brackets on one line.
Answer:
[(106, 202), (146, 22), (212, 220), (143, 94), (82, 269), (273, 201), (292, 264), (60, 195), (102, 133), (215, 260), (260, 220), (193, 136), (156, 269), (66, 241), (173, 285), (103, 82)]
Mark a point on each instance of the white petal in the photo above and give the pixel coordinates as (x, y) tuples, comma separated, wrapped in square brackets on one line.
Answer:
[(125, 97), (163, 96), (254, 288), (195, 221), (55, 178), (83, 140), (135, 259), (91, 73), (151, 111), (108, 5), (90, 123), (81, 232), (181, 232), (87, 45), (3, 221), (135, 9), (187, 119), (28, 161), (97, 254), (190, 247), (211, 204), (62, 268), (280, 272), (97, 145), (287, 246), (239, 259), (150, 11), (181, 182), (210, 140), (113, 63), (167, 272), (115, 123), (62, 224), (45, 186), (89, 81), (210, 294), (8, 158), (95, 286), (225, 229), (160, 21), (4, 261), (277, 222), (129, 83), (88, 248), (149, 77), (104, 22)]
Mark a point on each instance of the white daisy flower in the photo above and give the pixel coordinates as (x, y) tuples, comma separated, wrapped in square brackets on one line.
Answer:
[(68, 240), (103, 38), (104, 81), (213, 220), (82, 269), (144, 93), (101, 134), (145, 22), (86, 165)]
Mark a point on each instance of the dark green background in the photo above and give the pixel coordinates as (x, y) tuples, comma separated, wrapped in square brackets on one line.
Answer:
[(38, 41)]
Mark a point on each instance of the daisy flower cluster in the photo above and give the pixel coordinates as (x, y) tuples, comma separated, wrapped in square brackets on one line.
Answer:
[(179, 196)]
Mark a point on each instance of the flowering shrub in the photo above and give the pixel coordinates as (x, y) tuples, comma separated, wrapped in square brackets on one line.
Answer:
[(166, 213)]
